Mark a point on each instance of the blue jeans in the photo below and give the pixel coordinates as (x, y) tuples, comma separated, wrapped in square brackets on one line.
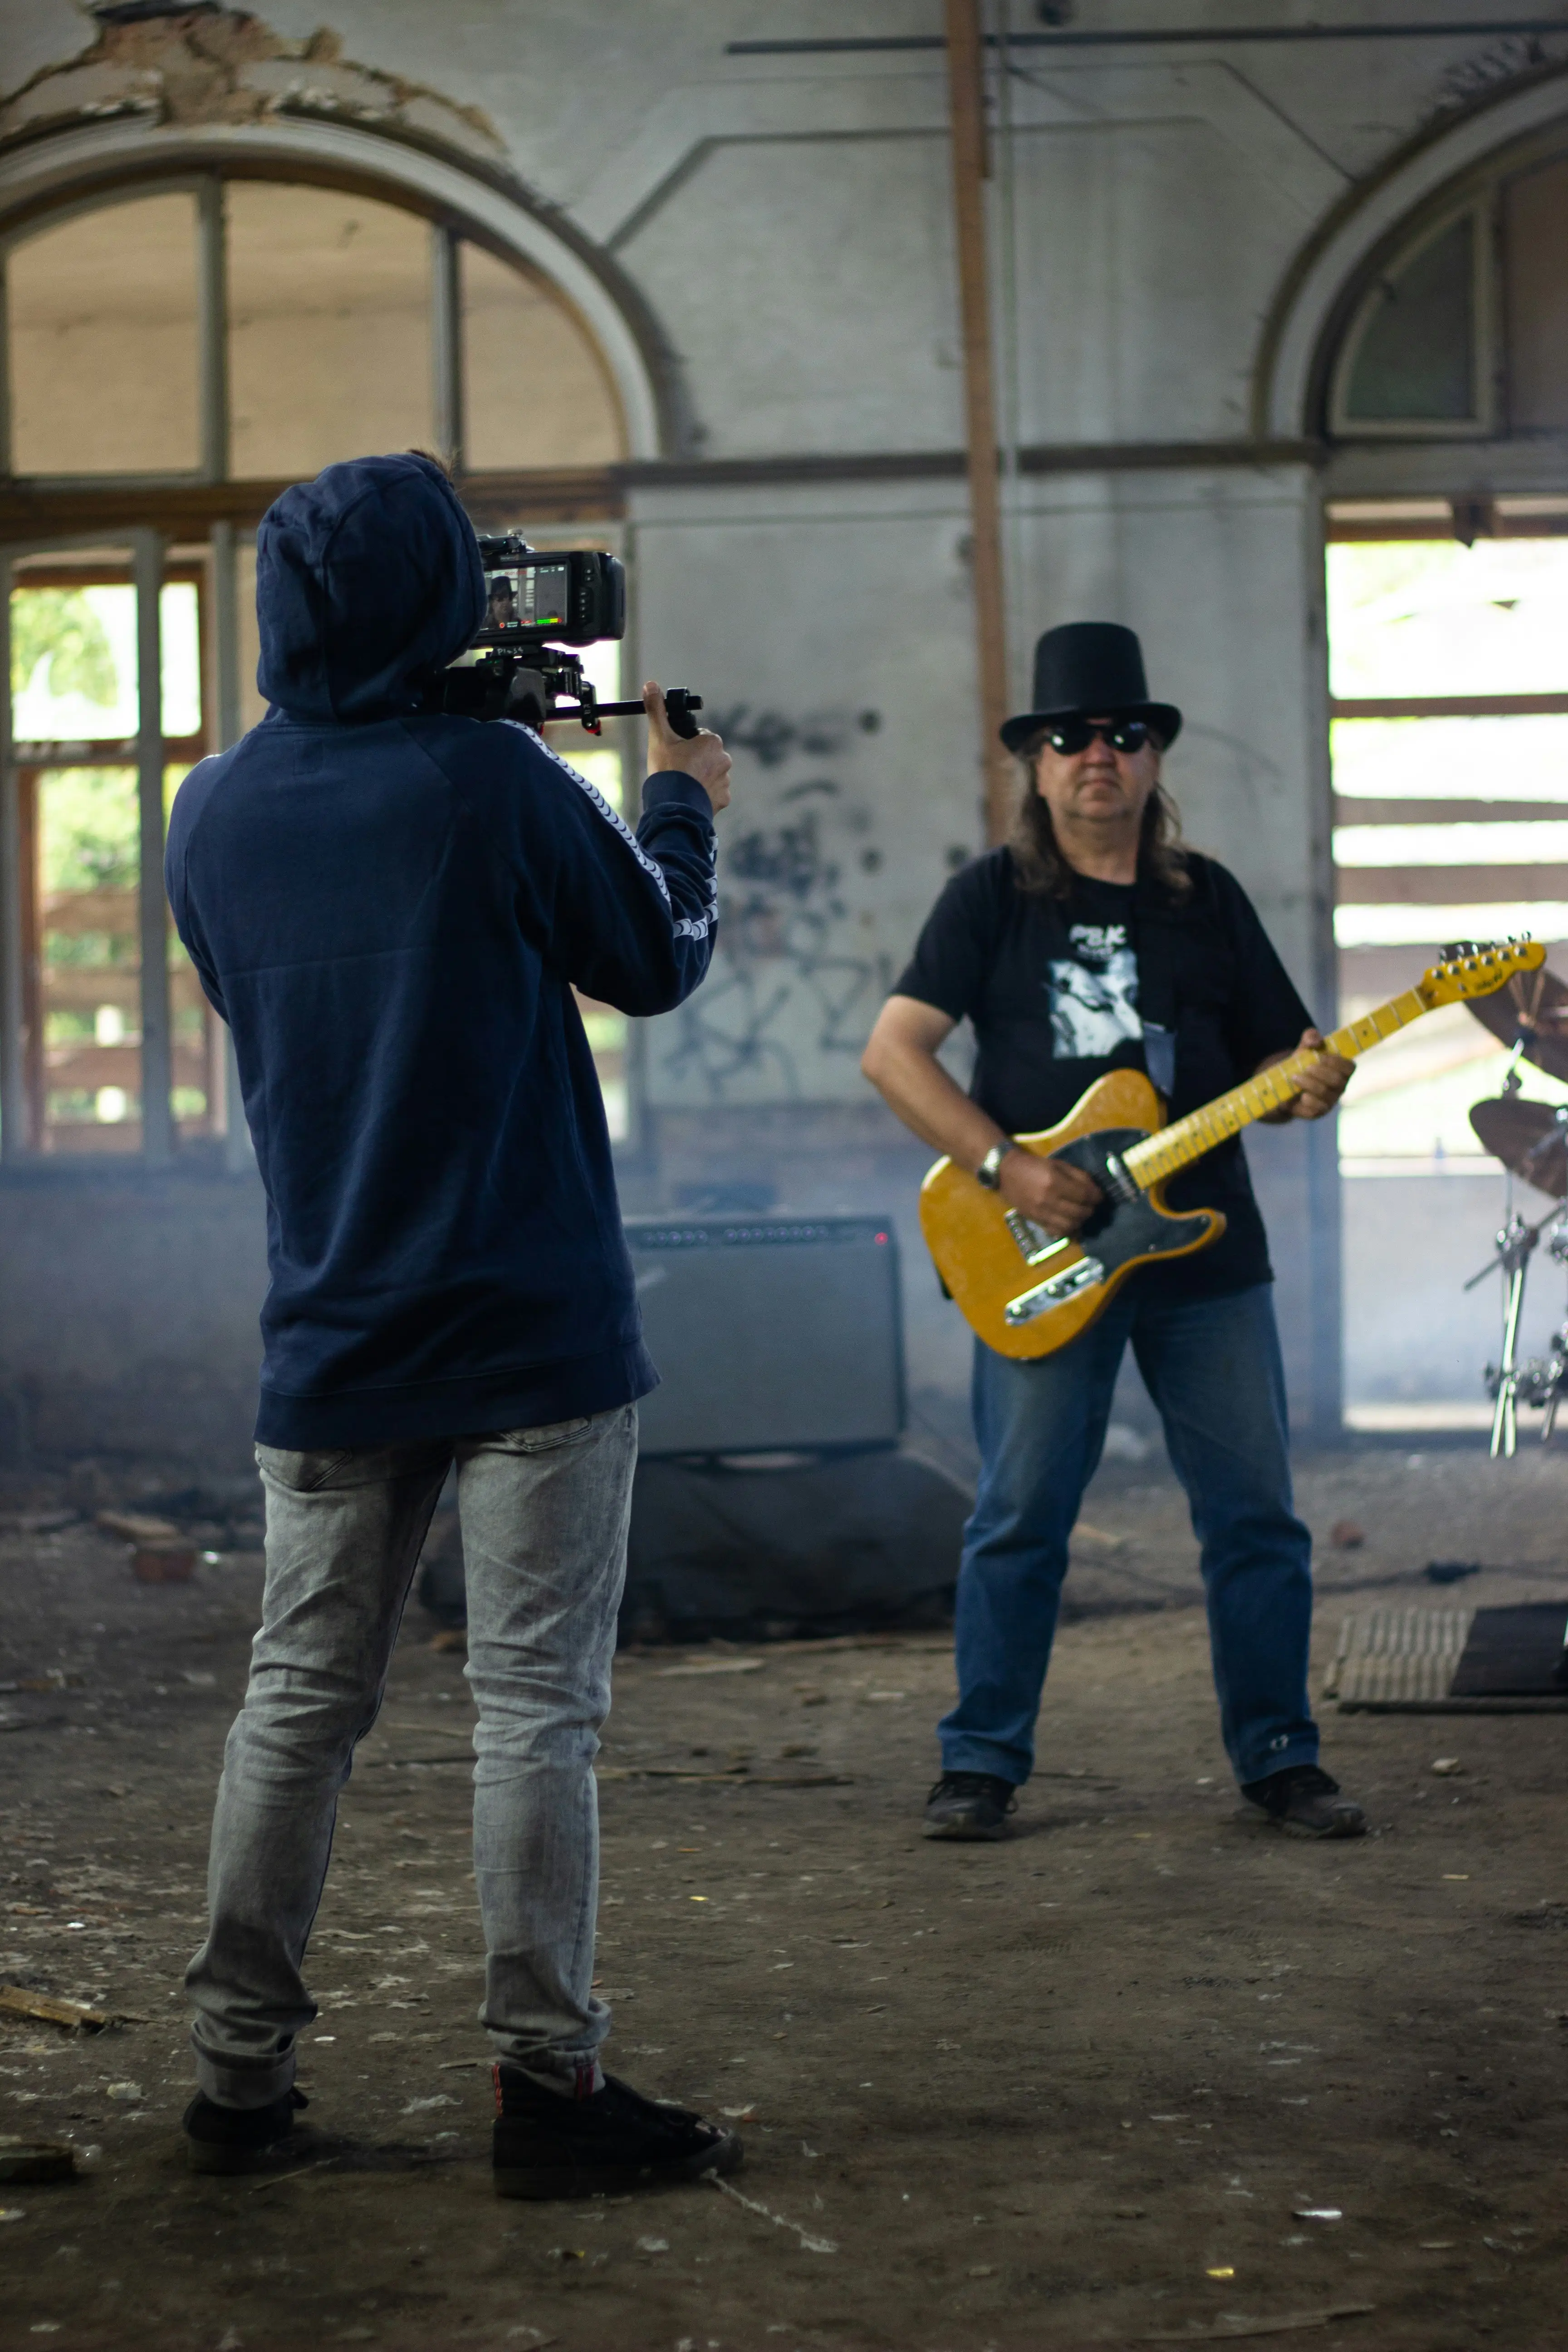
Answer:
[(1213, 1367), (545, 1513)]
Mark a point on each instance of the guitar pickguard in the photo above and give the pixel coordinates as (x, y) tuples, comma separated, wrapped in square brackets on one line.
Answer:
[(1121, 1232), (1092, 1153)]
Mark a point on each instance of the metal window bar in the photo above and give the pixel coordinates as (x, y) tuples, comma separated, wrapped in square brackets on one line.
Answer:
[(212, 329), (13, 1137), (446, 344), (238, 1156), (157, 1054)]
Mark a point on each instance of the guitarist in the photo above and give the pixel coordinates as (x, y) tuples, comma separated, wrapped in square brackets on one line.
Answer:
[(1093, 942)]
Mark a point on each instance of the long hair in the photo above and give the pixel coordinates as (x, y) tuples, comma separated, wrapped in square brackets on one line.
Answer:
[(1042, 868)]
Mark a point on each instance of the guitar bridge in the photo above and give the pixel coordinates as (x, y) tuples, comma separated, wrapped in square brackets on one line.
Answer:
[(1052, 1292), (1036, 1244)]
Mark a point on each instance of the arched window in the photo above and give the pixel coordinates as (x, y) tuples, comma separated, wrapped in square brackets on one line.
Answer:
[(1417, 358), (252, 330), (1463, 326), (175, 351)]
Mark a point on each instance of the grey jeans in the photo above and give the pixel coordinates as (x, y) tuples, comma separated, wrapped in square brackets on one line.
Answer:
[(544, 1514)]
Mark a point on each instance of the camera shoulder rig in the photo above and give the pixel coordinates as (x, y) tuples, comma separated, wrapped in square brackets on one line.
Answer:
[(542, 602)]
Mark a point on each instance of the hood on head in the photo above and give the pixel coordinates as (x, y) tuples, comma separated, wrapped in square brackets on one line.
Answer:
[(366, 580)]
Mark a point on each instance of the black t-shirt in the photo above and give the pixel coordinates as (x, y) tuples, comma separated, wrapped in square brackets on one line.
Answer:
[(1059, 991)]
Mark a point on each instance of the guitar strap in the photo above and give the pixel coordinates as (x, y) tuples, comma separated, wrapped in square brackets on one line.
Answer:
[(1157, 990)]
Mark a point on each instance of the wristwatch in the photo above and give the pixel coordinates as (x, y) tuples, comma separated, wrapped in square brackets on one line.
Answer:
[(989, 1171)]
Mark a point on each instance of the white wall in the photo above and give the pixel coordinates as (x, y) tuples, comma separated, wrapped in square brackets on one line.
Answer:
[(813, 606)]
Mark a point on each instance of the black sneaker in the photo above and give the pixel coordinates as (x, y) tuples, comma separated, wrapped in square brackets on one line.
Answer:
[(1303, 1801), (239, 2139), (969, 1805), (547, 2145)]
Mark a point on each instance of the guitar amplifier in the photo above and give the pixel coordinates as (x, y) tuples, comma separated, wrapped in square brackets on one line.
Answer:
[(770, 1334)]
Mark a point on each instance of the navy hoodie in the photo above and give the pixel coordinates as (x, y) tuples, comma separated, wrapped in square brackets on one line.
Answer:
[(389, 907)]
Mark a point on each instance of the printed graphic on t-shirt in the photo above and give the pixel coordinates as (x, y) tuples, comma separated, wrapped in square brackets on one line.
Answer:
[(1094, 994)]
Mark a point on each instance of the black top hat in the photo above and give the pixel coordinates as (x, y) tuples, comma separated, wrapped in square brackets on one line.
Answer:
[(1086, 667)]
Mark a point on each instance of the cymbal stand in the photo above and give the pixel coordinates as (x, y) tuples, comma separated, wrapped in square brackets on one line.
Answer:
[(1515, 1245), (1541, 1381), (1544, 1380)]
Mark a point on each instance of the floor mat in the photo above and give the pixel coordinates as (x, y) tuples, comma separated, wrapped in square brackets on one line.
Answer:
[(1514, 1653), (1422, 1662)]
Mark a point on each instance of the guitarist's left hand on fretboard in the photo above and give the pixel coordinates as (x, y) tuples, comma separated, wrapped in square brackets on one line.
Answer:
[(1317, 1087)]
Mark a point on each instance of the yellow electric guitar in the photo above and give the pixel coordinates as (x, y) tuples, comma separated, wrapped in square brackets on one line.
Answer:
[(1025, 1292)]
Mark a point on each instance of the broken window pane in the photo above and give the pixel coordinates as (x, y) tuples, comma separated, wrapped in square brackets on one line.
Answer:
[(85, 981), (536, 391), (1415, 358), (103, 326), (74, 665), (1428, 619), (328, 299), (1431, 617)]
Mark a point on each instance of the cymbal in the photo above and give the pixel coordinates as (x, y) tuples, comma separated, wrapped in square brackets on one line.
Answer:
[(1527, 1137), (1534, 1005)]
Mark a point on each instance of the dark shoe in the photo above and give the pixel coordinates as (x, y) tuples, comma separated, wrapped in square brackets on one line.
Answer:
[(239, 2139), (547, 2145), (969, 1805), (1305, 1802)]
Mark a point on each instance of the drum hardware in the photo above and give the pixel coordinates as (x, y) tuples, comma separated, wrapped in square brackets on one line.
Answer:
[(1530, 1015), (1541, 1381), (1529, 1137)]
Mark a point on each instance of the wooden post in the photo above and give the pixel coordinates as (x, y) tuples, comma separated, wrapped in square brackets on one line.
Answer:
[(966, 102)]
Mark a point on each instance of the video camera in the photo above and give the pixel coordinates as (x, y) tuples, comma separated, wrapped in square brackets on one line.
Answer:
[(573, 596)]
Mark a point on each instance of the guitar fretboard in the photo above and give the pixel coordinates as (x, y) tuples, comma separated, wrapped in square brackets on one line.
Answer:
[(1188, 1138)]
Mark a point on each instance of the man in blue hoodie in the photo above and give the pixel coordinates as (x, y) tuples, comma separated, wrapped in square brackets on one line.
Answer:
[(390, 908)]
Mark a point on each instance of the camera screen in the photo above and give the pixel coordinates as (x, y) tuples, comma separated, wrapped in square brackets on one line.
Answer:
[(526, 596)]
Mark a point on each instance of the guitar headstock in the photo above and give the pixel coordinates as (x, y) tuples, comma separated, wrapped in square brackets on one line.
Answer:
[(1478, 968)]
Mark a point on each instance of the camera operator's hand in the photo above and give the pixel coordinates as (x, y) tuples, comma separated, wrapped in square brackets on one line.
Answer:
[(701, 756)]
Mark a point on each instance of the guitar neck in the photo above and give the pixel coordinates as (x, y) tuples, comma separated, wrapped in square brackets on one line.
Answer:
[(1186, 1139)]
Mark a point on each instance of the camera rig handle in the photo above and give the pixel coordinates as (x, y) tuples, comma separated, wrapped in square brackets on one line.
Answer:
[(543, 684), (678, 708)]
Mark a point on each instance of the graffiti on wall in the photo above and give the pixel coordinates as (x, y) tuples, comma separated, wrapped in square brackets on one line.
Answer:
[(796, 975)]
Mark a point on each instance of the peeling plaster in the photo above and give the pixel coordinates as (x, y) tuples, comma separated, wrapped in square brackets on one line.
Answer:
[(208, 64)]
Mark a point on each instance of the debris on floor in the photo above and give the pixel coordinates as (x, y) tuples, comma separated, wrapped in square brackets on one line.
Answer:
[(16, 2000), (834, 1994), (36, 2159)]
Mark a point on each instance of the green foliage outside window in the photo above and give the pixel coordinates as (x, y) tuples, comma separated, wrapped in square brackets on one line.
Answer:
[(90, 830), (59, 626)]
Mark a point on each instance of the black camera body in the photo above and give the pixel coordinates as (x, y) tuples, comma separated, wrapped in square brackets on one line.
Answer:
[(539, 603)]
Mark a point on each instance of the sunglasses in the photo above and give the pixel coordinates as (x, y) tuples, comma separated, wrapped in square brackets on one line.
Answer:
[(1076, 735)]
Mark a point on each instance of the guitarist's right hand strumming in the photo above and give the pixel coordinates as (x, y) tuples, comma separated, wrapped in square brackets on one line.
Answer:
[(901, 1060), (1056, 1195)]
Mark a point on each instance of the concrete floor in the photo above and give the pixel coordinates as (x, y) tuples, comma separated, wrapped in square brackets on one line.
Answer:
[(1074, 2090)]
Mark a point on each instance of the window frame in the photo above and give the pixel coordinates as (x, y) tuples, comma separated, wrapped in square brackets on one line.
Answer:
[(1481, 207), (585, 489), (148, 513)]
